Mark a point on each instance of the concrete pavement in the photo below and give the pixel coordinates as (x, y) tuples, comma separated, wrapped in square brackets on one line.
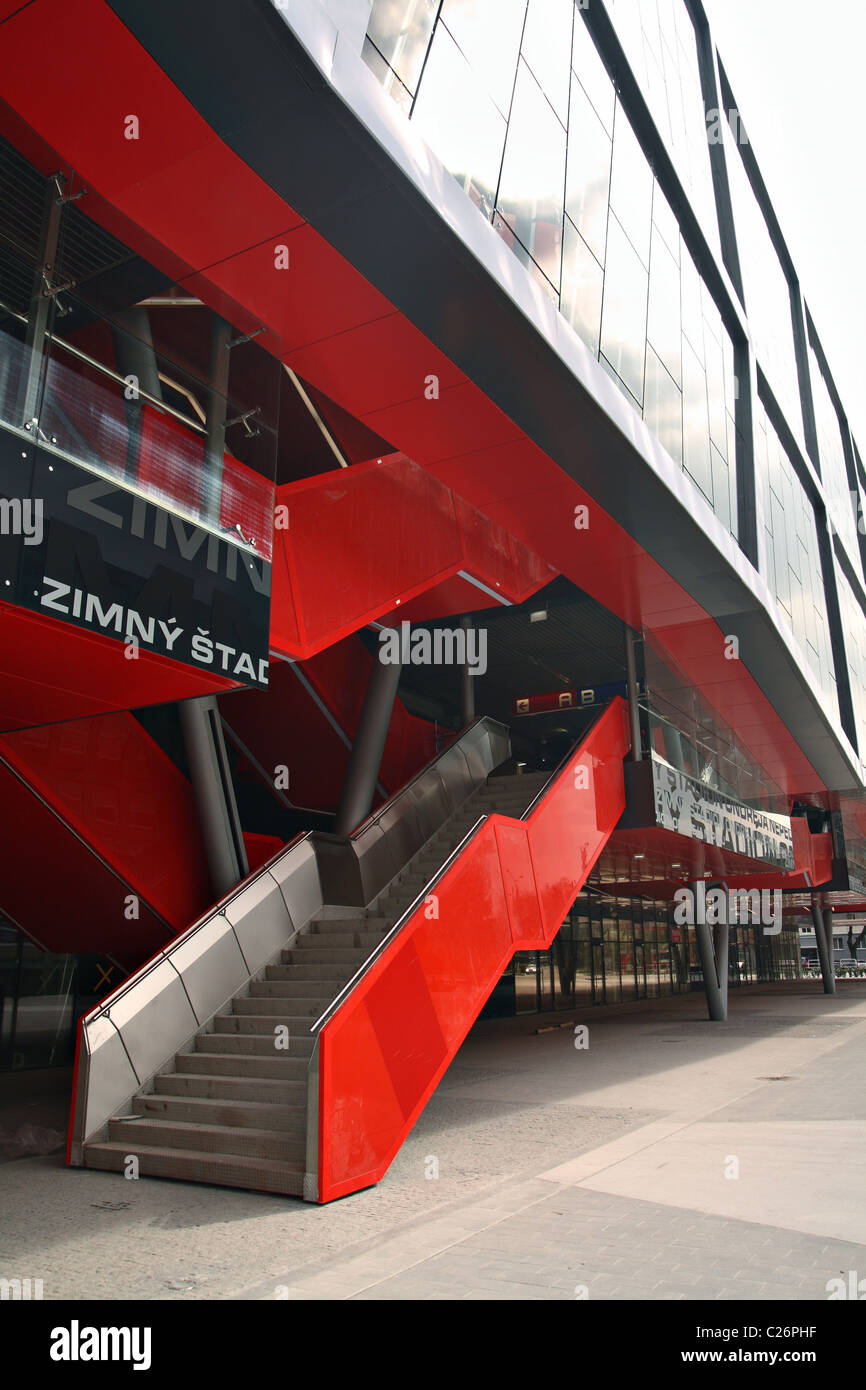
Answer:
[(671, 1159)]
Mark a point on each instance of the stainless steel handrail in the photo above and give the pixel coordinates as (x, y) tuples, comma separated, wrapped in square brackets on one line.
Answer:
[(374, 816), (141, 394), (388, 938), (429, 885), (103, 1006)]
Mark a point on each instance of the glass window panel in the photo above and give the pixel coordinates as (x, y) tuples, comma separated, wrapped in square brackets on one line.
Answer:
[(387, 76), (624, 310), (612, 983), (588, 179), (526, 982), (715, 363), (525, 259), (721, 489), (665, 222), (696, 425), (547, 49), (401, 30), (618, 382), (631, 185), (489, 33), (533, 175), (582, 280), (843, 503), (664, 329), (663, 407), (692, 304), (792, 550), (459, 121), (545, 981), (766, 290), (592, 72)]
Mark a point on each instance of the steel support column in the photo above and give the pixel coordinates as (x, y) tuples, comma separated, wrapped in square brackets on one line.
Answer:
[(215, 422), (135, 357), (632, 693), (368, 745), (30, 389), (713, 951), (214, 794), (824, 942), (467, 689)]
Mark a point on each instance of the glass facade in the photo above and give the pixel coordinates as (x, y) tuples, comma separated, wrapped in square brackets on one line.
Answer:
[(659, 43), (516, 102), (843, 501), (794, 571), (611, 950), (42, 997), (515, 98), (608, 951), (766, 291), (854, 629)]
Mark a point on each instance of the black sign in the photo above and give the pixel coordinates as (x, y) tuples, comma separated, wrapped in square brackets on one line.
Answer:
[(83, 549)]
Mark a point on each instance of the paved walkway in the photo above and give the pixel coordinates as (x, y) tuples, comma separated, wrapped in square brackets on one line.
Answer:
[(671, 1159)]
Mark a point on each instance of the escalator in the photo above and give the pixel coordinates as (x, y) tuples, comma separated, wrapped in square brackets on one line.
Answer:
[(304, 1023)]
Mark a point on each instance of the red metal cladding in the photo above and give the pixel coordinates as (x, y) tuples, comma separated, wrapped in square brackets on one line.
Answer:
[(384, 1050), (51, 671), (100, 801), (179, 193), (356, 544)]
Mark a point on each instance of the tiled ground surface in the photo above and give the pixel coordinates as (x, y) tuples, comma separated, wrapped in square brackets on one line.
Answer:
[(661, 1163)]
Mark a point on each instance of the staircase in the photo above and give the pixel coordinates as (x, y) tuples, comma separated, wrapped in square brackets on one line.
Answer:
[(232, 1110)]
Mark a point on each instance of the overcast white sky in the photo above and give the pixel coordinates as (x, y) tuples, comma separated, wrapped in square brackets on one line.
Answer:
[(799, 78)]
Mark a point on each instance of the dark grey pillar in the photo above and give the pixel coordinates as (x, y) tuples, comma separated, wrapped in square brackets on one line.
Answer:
[(369, 744), (135, 356), (215, 443), (824, 942), (133, 349), (467, 689), (713, 950), (673, 746), (632, 693), (30, 390), (214, 793)]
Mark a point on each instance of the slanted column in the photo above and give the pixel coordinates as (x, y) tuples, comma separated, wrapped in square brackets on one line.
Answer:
[(214, 793), (824, 942), (467, 689), (713, 951), (632, 693), (368, 746)]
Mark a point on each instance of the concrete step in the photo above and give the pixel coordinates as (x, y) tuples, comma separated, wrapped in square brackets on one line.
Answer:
[(254, 1045), (279, 1066), (295, 1005), (320, 930), (314, 971), (205, 1087), (259, 1025), (247, 1114), (291, 989), (224, 1139), (327, 955), (333, 941), (323, 914), (223, 1170)]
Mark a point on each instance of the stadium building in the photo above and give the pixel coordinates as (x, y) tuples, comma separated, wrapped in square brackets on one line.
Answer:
[(432, 573)]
